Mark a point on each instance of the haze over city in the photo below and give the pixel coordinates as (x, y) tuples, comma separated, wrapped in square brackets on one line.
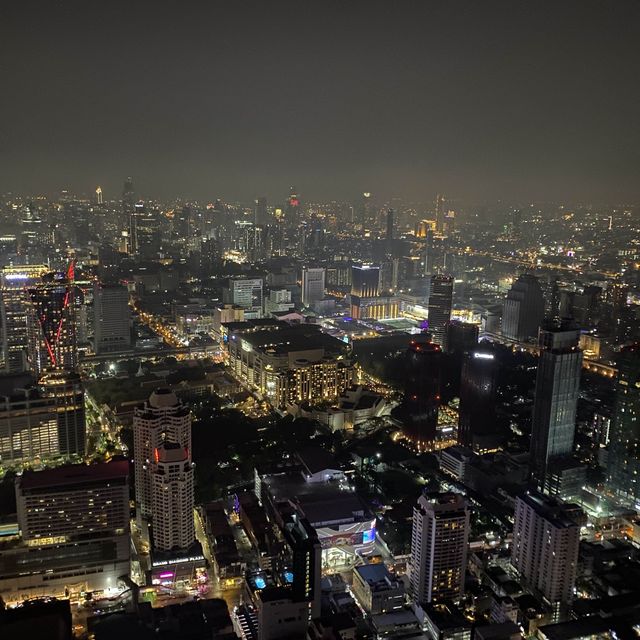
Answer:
[(320, 321)]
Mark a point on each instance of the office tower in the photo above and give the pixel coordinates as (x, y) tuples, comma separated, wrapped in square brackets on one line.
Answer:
[(305, 556), (439, 213), (545, 547), (162, 417), (312, 285), (74, 526), (365, 280), (260, 213), (366, 301), (623, 468), (422, 392), (586, 306), (14, 307), (128, 202), (111, 318), (99, 195), (246, 293), (523, 309), (365, 209), (52, 325), (477, 412), (555, 400), (429, 253), (390, 224), (440, 301), (439, 540), (460, 336), (43, 422), (172, 488), (293, 210)]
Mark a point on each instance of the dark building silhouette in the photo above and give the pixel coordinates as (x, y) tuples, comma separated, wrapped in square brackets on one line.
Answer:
[(460, 336), (422, 392), (623, 470), (477, 412)]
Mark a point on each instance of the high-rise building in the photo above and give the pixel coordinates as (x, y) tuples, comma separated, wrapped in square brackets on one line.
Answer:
[(523, 309), (246, 293), (162, 417), (366, 301), (292, 214), (555, 400), (260, 212), (439, 542), (74, 525), (545, 547), (439, 213), (52, 325), (422, 392), (14, 307), (128, 202), (172, 488), (440, 302), (43, 422), (365, 280), (365, 210), (477, 411), (390, 220), (623, 468), (460, 336), (313, 282), (111, 318)]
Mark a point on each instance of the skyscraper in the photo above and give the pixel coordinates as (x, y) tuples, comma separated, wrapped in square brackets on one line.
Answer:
[(172, 489), (439, 213), (128, 202), (523, 309), (162, 417), (313, 280), (419, 410), (260, 213), (477, 412), (390, 220), (555, 400), (545, 547), (460, 336), (111, 318), (365, 280), (14, 308), (440, 302), (293, 210), (623, 469), (439, 542), (51, 325)]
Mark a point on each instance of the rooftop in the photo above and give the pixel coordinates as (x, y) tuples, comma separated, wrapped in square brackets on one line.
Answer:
[(74, 474)]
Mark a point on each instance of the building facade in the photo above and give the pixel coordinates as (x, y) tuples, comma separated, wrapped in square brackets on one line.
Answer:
[(440, 302), (523, 309), (111, 318)]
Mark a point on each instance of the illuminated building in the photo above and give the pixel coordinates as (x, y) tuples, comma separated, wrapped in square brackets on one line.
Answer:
[(623, 469), (377, 590), (74, 525), (14, 306), (555, 401), (293, 210), (545, 547), (246, 293), (365, 210), (51, 325), (313, 283), (477, 412), (99, 195), (439, 542), (260, 213), (290, 364), (111, 318), (172, 489), (440, 302), (366, 301), (162, 417), (43, 422), (523, 309), (419, 409)]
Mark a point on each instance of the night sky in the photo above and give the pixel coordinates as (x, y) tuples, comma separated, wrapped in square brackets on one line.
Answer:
[(478, 99)]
